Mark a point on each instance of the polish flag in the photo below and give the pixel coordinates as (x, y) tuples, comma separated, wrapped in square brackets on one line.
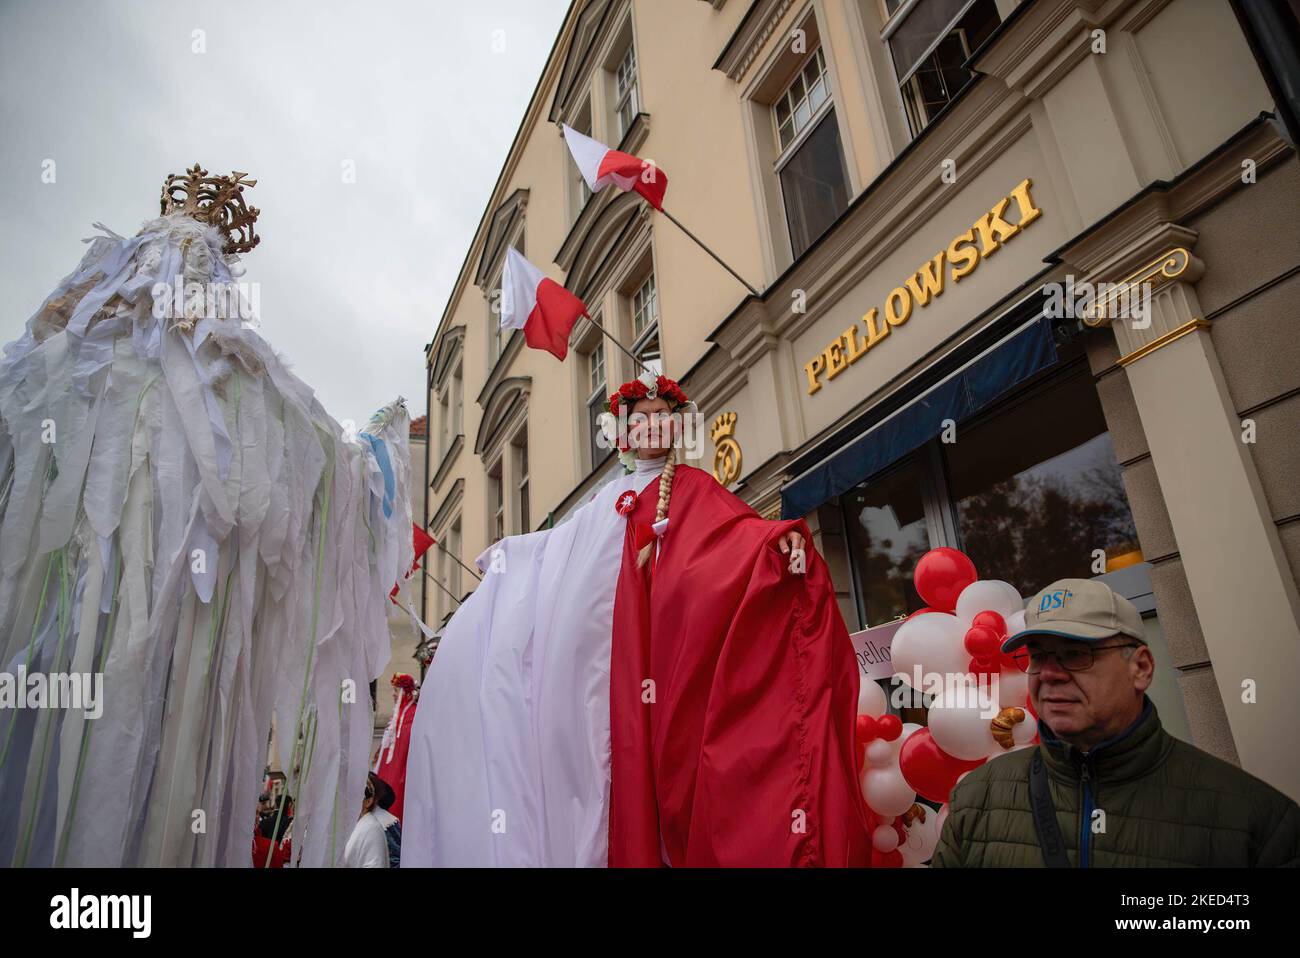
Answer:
[(421, 540), (600, 166), (537, 304)]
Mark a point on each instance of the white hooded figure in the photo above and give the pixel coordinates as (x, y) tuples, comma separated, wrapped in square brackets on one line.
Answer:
[(181, 520)]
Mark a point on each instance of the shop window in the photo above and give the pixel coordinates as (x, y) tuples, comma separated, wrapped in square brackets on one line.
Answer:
[(887, 534), (810, 165), (1036, 489), (930, 45)]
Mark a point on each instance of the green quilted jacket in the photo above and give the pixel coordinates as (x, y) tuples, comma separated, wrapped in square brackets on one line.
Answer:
[(1165, 803)]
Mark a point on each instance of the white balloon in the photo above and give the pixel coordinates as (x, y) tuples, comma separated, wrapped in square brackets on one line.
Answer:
[(960, 725), (986, 594), (884, 838), (1024, 732), (871, 699), (880, 754), (934, 642), (1013, 688), (922, 839), (886, 791), (1016, 623)]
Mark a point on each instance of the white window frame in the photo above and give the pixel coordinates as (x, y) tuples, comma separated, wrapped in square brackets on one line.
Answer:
[(815, 115), (652, 326), (627, 93)]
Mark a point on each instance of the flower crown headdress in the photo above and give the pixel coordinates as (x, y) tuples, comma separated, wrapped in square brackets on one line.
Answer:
[(646, 386)]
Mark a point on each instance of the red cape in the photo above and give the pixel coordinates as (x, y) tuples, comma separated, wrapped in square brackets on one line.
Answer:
[(745, 757), (393, 771)]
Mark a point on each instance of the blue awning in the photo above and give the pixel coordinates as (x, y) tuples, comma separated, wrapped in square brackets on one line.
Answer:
[(957, 396)]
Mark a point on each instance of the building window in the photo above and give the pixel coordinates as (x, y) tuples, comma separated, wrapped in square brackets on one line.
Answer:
[(444, 422), (887, 534), (597, 400), (1037, 488), (810, 165), (626, 97), (795, 108), (453, 549), (645, 325), (929, 47), (458, 401), (495, 334), (496, 503), (520, 451)]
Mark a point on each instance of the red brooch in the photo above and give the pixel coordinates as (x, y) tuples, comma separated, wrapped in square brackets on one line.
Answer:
[(626, 503)]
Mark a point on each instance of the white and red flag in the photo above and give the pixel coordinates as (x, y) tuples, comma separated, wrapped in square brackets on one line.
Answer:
[(537, 304), (601, 166)]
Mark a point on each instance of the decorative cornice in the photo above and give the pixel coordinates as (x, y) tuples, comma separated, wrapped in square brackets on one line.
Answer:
[(590, 33), (499, 409), (440, 363), (448, 460), (1048, 39), (504, 222), (448, 504), (755, 28)]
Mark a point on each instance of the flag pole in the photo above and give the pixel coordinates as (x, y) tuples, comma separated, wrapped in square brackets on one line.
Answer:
[(614, 339), (441, 586), (456, 559), (718, 259)]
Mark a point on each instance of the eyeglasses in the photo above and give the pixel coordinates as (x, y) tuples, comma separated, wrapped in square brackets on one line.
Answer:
[(1078, 659)]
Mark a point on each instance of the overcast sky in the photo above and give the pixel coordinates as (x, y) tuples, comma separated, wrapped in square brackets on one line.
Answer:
[(422, 96)]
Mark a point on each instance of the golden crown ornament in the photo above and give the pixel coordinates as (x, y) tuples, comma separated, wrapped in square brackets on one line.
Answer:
[(217, 201)]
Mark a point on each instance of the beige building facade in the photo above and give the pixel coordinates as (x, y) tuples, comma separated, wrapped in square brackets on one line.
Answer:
[(1027, 273)]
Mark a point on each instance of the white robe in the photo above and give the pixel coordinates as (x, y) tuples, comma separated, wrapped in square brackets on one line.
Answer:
[(509, 755)]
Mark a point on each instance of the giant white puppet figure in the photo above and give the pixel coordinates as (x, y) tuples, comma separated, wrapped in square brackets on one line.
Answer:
[(179, 515), (663, 679)]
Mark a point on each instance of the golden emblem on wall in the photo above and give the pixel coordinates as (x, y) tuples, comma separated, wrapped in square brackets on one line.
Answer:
[(726, 456)]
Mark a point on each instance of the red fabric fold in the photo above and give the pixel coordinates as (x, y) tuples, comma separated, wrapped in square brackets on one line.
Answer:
[(733, 692)]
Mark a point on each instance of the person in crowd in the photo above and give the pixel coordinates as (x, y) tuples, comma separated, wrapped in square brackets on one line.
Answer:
[(367, 847), (385, 796), (1107, 786)]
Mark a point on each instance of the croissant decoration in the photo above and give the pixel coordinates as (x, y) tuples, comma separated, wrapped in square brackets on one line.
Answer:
[(914, 814), (1002, 727)]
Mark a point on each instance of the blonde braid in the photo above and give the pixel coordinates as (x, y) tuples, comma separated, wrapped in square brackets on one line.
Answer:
[(661, 510)]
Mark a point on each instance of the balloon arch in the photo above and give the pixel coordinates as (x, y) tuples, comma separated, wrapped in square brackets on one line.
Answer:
[(979, 708)]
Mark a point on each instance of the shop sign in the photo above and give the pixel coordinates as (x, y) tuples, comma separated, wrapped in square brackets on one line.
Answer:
[(958, 260)]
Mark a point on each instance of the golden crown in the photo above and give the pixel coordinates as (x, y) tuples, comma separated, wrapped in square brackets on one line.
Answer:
[(217, 200), (723, 426)]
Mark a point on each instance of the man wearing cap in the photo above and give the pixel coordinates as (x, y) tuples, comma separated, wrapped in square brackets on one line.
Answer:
[(1107, 786)]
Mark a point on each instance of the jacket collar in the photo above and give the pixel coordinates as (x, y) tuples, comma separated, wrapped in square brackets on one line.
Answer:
[(1128, 755)]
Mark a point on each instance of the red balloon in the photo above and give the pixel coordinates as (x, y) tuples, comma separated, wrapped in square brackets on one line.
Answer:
[(991, 620), (922, 611), (941, 575), (889, 727), (982, 642), (929, 770), (1010, 661), (892, 859)]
